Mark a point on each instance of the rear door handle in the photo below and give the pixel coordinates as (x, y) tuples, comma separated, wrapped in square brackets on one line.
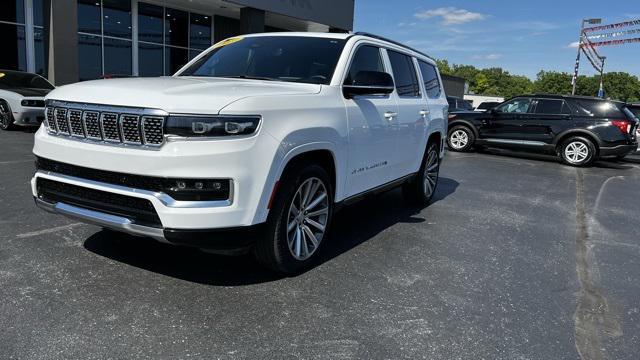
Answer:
[(424, 113), (389, 115)]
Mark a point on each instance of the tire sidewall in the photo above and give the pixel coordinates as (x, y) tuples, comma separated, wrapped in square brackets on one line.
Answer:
[(424, 198), (4, 126), (278, 217), (470, 136), (586, 162)]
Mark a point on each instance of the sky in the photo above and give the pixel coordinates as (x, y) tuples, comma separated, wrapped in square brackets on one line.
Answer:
[(521, 36)]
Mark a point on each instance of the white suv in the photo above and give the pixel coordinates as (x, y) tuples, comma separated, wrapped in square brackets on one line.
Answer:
[(250, 146)]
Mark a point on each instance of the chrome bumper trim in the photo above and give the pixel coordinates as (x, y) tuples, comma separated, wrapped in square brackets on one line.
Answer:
[(101, 219)]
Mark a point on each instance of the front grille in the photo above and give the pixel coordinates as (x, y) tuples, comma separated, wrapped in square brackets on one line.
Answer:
[(141, 211), (149, 183), (98, 123)]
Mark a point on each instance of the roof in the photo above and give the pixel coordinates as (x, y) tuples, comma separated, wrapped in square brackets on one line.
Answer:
[(559, 96)]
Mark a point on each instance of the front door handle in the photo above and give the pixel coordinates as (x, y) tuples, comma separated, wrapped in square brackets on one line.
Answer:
[(389, 115), (424, 113)]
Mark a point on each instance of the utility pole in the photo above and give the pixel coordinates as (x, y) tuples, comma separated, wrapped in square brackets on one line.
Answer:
[(601, 90), (574, 81)]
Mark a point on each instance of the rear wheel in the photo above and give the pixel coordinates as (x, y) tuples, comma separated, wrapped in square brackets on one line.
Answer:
[(423, 187), (578, 151), (6, 117), (460, 138), (298, 221)]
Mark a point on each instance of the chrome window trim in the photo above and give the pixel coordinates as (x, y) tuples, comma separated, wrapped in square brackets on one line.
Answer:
[(164, 198)]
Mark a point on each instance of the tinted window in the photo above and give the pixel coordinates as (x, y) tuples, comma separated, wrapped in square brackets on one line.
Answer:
[(117, 57), (117, 18), (464, 105), (10, 79), (12, 11), (13, 54), (404, 74), (452, 103), (150, 18), (200, 32), (520, 105), (150, 60), (549, 106), (284, 58), (430, 77), (367, 58), (90, 57), (176, 28), (598, 108), (487, 105), (89, 16)]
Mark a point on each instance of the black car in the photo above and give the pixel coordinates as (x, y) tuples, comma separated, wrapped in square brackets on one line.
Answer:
[(577, 129), (458, 104)]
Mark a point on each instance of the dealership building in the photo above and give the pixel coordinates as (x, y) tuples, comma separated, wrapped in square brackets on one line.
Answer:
[(75, 40)]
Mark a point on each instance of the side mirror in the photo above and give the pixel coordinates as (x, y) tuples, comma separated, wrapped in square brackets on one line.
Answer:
[(369, 83)]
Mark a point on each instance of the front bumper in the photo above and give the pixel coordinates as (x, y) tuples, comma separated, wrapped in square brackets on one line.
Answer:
[(28, 116)]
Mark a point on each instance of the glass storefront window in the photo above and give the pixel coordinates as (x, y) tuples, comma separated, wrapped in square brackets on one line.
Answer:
[(38, 19), (12, 11), (176, 28), (150, 20), (117, 57), (39, 51), (200, 31), (14, 51), (150, 60), (174, 59), (89, 16), (90, 55), (117, 18)]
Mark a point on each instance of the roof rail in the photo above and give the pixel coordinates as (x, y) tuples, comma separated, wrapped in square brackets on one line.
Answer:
[(374, 36)]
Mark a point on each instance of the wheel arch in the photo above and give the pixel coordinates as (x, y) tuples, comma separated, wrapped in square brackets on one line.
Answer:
[(577, 132), (466, 123)]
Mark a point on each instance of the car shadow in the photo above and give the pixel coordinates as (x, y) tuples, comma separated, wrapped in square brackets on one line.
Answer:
[(507, 153), (353, 225)]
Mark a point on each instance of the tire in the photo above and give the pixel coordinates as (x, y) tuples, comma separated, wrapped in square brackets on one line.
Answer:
[(6, 117), (421, 189), (288, 246), (578, 151), (460, 138)]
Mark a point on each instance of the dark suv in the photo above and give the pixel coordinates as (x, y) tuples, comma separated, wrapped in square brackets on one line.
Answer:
[(578, 129)]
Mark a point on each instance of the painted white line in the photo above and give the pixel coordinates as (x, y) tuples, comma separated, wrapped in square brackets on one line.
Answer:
[(48, 231), (16, 162)]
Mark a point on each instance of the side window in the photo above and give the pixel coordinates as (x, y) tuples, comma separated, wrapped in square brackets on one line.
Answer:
[(552, 107), (430, 77), (367, 58), (404, 74), (519, 105)]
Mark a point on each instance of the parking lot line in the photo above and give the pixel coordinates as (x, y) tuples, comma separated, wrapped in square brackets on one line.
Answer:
[(15, 162), (48, 231)]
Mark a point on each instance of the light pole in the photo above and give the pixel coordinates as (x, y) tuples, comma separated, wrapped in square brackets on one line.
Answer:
[(574, 81), (601, 90)]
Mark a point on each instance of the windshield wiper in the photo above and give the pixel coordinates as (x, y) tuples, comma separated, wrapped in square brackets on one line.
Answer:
[(250, 77)]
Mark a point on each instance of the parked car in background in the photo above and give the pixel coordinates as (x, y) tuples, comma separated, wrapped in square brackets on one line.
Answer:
[(255, 157), (487, 105), (476, 100), (578, 129), (635, 109), (458, 104), (22, 98)]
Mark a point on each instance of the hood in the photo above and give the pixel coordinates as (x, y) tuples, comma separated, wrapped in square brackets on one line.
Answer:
[(195, 95), (30, 92)]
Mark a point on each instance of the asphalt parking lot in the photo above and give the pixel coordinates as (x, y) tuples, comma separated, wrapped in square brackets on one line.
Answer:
[(519, 257)]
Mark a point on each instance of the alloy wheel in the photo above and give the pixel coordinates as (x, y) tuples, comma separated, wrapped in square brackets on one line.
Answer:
[(431, 173), (459, 139), (307, 218), (576, 152), (4, 116)]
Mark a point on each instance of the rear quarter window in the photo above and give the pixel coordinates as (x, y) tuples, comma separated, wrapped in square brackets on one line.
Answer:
[(601, 109), (430, 78)]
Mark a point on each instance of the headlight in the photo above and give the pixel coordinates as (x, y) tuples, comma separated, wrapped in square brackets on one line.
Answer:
[(211, 126)]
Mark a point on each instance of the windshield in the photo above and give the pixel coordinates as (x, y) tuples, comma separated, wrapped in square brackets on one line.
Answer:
[(13, 80), (283, 58)]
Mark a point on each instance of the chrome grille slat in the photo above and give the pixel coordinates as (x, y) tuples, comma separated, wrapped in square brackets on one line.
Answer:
[(75, 122), (107, 124), (130, 129), (60, 115)]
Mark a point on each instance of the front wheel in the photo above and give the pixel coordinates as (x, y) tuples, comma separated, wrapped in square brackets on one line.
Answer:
[(6, 117), (423, 187), (578, 151), (298, 221)]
